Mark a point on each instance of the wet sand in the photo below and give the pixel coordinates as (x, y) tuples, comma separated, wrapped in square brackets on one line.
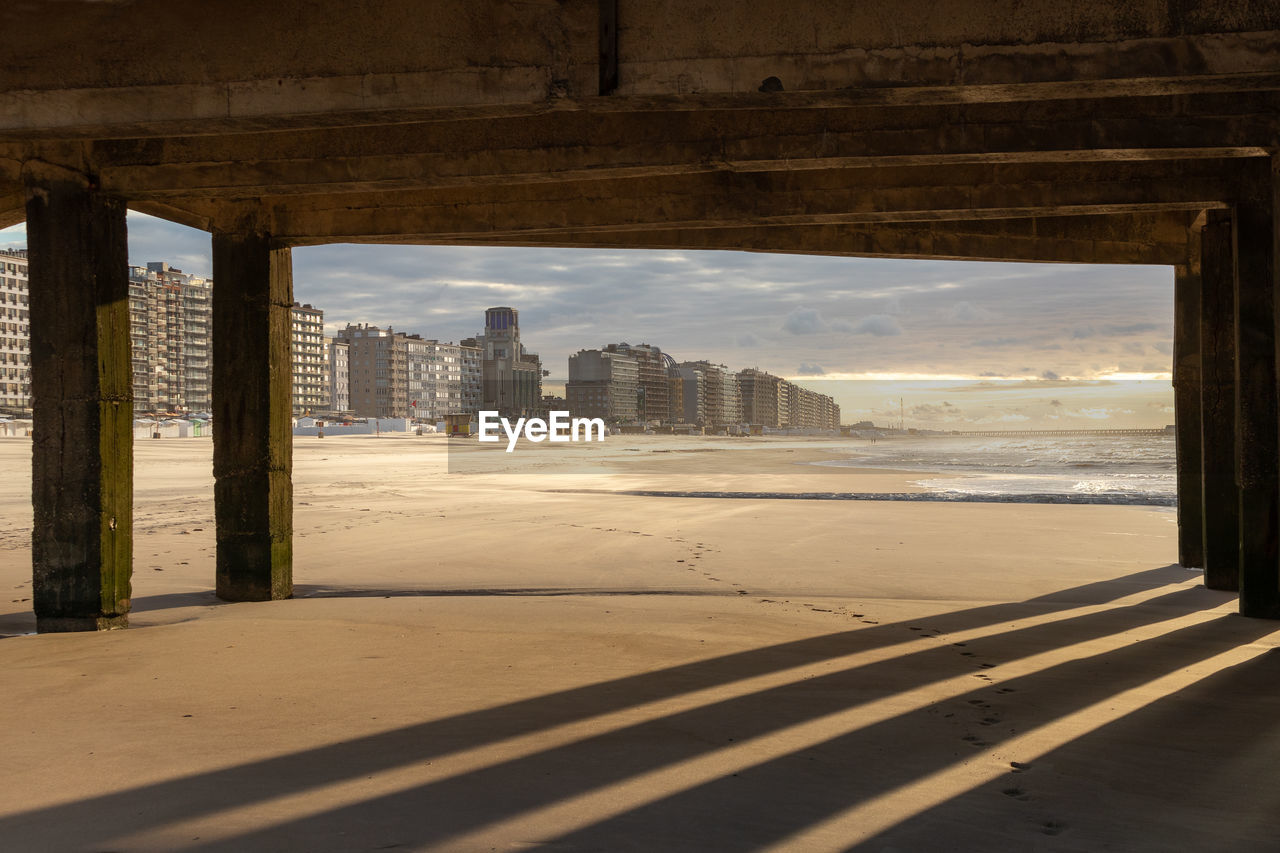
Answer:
[(508, 658)]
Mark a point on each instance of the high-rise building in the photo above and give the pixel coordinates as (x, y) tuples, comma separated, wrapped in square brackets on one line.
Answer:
[(378, 369), (452, 380), (691, 382), (764, 400), (15, 333), (396, 375), (339, 375), (774, 402), (170, 318), (472, 358), (310, 361), (511, 377), (811, 410), (603, 384), (718, 391), (654, 393)]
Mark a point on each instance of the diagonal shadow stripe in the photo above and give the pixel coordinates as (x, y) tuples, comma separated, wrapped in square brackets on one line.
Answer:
[(447, 808), (117, 814)]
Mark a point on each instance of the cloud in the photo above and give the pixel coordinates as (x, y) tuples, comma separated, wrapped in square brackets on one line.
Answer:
[(1050, 376), (804, 321), (1133, 328), (748, 340), (807, 369), (966, 312), (943, 411), (1098, 413), (1004, 418), (807, 321), (880, 325)]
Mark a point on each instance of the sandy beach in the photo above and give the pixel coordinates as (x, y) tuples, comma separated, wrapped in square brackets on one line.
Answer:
[(513, 655)]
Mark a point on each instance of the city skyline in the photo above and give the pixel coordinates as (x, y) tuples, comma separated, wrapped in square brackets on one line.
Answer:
[(813, 320)]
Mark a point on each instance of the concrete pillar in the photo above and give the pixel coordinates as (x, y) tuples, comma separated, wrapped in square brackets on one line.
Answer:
[(82, 401), (1258, 428), (252, 417), (1218, 403), (1186, 407)]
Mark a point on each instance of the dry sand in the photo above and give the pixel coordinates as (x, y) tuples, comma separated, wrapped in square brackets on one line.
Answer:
[(508, 659)]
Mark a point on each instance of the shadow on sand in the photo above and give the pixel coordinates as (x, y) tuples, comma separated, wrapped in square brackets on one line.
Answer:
[(1134, 801)]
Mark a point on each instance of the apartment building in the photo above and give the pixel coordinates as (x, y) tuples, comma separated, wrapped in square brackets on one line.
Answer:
[(310, 361), (654, 400), (396, 375), (603, 384), (170, 324), (720, 402), (339, 354), (15, 333)]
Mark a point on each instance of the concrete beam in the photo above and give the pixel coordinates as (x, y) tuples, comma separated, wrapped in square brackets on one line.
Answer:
[(215, 65), (1158, 238), (12, 207), (1218, 403), (1187, 412), (1257, 419), (81, 378), (614, 144), (253, 437), (759, 199)]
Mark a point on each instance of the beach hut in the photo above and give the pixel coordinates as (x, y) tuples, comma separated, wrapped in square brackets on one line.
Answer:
[(457, 424)]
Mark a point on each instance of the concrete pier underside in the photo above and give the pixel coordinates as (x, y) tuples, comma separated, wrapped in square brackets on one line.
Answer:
[(1134, 132)]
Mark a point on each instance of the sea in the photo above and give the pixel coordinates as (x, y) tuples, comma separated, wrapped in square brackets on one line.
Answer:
[(1107, 469)]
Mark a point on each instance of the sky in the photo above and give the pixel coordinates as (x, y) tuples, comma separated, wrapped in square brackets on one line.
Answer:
[(943, 344)]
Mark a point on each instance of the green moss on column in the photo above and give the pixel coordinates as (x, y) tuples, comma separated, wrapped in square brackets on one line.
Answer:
[(82, 453), (253, 435)]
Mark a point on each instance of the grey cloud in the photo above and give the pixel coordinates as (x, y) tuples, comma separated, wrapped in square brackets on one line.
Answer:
[(966, 312), (1133, 328), (880, 325), (807, 369), (803, 321)]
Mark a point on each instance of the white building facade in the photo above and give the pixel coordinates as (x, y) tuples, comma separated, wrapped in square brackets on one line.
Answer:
[(15, 333)]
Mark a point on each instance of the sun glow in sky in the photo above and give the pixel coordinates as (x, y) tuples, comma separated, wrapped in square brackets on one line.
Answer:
[(962, 345)]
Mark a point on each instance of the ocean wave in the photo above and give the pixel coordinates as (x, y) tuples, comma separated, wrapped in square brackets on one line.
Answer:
[(917, 497)]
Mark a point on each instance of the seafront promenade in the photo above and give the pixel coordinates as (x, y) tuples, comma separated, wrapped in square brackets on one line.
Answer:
[(486, 661)]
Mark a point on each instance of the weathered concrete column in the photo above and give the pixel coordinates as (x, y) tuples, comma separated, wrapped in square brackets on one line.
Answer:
[(252, 423), (1218, 403), (1258, 427), (82, 404), (1186, 409)]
